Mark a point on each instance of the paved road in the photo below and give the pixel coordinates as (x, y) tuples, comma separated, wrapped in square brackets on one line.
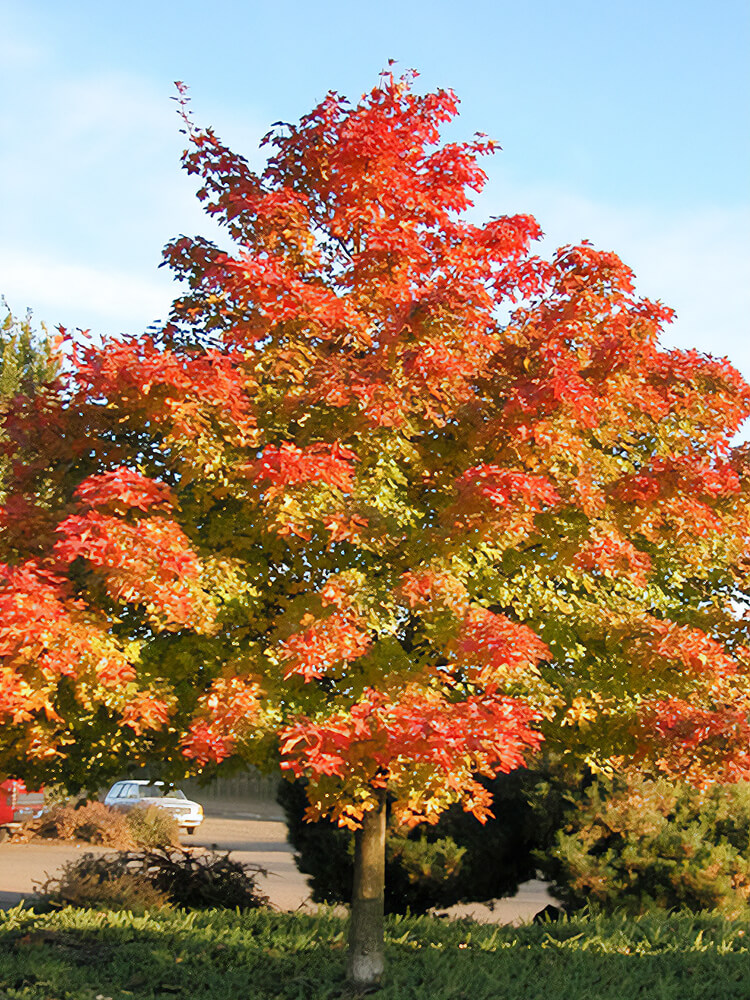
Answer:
[(261, 842), (256, 836)]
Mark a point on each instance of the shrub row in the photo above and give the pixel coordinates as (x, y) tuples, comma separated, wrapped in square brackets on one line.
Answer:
[(159, 878), (95, 823), (632, 843)]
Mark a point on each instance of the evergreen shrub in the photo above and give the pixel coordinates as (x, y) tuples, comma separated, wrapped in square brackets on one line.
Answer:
[(457, 860), (634, 844), (640, 844)]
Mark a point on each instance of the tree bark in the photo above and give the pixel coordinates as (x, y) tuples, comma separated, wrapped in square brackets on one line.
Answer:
[(366, 958)]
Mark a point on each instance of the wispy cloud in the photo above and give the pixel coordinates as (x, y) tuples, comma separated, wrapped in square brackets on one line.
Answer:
[(107, 300), (19, 53), (92, 190), (95, 191)]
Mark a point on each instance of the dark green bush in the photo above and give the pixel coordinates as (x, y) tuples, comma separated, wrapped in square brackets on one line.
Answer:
[(155, 878), (618, 844), (642, 844), (457, 860)]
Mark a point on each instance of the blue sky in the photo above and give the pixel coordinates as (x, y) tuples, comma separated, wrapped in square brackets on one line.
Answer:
[(624, 123)]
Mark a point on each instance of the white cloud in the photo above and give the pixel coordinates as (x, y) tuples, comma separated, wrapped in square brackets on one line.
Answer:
[(96, 159), (92, 190), (17, 53)]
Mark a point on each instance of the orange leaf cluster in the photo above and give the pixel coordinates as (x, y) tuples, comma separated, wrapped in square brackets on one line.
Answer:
[(504, 487), (46, 634), (125, 488), (696, 742), (226, 713), (497, 645), (691, 647), (179, 392), (284, 465), (423, 587), (329, 642), (147, 562), (417, 726), (611, 555), (144, 712)]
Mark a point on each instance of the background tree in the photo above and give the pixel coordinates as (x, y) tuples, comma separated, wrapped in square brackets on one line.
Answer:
[(27, 356), (346, 513), (27, 361)]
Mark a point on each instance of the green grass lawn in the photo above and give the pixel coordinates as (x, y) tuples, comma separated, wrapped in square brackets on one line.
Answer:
[(218, 955)]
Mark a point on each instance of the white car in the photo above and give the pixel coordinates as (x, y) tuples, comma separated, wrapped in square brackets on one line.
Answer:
[(138, 792)]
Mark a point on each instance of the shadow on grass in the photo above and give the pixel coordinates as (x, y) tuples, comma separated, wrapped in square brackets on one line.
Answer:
[(224, 956)]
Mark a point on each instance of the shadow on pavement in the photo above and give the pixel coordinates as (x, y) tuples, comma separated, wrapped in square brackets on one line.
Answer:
[(10, 899)]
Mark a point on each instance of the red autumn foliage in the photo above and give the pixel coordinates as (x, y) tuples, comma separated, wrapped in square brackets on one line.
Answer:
[(504, 487), (228, 705), (415, 729), (335, 640), (403, 539), (287, 465)]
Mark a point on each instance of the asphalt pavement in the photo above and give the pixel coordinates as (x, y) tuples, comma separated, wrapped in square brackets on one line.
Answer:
[(253, 832)]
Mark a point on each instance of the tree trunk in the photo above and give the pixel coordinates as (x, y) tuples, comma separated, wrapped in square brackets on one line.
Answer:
[(366, 959)]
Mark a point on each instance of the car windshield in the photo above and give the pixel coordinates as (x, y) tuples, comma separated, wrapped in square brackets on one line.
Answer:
[(160, 792)]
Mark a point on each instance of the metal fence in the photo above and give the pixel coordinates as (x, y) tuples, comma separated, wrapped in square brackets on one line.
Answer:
[(243, 785)]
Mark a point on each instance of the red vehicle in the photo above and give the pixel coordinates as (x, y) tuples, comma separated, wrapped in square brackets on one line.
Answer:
[(17, 804)]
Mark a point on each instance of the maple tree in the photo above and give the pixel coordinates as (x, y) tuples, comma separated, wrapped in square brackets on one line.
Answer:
[(342, 513)]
